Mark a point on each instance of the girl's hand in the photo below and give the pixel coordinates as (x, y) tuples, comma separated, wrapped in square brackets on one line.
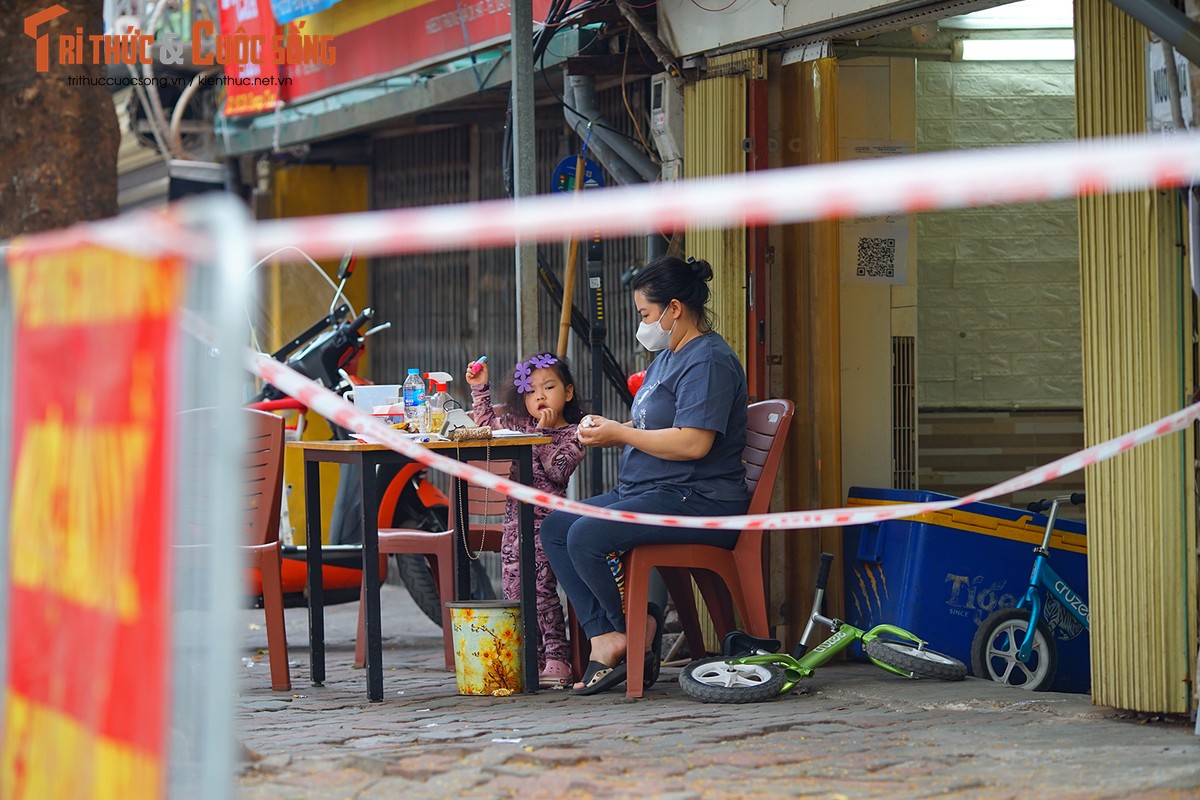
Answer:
[(477, 373), (548, 418), (596, 431)]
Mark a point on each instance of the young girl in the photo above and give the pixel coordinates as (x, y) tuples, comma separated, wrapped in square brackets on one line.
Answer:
[(539, 397)]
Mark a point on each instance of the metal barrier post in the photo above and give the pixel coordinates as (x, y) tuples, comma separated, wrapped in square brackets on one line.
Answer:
[(203, 753)]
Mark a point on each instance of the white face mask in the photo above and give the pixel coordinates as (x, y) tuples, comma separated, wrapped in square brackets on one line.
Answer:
[(652, 336)]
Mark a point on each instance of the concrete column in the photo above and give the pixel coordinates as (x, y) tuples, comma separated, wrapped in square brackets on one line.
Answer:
[(524, 167)]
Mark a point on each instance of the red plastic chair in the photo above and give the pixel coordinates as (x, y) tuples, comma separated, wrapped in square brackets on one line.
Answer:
[(262, 497), (740, 569)]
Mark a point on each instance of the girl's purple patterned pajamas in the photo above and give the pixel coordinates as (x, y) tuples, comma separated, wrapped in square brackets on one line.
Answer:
[(553, 465)]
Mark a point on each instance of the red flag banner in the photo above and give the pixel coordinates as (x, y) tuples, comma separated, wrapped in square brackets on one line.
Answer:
[(252, 75), (92, 488)]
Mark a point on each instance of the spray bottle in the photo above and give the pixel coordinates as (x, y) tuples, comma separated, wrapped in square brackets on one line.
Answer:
[(439, 398)]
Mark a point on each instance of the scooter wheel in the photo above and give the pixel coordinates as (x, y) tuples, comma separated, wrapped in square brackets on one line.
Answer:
[(917, 662), (721, 680)]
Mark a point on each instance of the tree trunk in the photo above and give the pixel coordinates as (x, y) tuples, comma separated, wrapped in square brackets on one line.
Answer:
[(58, 137)]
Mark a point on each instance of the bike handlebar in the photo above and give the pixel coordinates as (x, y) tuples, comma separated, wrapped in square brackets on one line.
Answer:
[(823, 571), (362, 319), (352, 330), (1075, 499), (285, 352), (324, 355)]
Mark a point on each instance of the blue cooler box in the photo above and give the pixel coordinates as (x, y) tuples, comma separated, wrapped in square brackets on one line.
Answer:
[(940, 574)]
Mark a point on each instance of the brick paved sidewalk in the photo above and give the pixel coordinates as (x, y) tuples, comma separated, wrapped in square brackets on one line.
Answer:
[(851, 731)]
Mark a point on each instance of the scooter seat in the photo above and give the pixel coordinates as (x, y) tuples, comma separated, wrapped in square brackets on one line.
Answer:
[(737, 643)]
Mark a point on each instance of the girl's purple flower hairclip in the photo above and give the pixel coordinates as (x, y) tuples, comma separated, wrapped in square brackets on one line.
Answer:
[(523, 374), (521, 378)]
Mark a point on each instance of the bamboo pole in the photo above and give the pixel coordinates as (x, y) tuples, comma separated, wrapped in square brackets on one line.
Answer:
[(564, 324)]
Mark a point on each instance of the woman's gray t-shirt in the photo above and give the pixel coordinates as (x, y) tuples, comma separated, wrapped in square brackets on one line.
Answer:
[(703, 385)]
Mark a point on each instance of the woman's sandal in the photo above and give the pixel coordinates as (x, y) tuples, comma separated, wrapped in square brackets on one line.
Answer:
[(600, 677), (653, 663)]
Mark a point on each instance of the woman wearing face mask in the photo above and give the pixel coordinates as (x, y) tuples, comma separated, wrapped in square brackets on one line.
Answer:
[(682, 456)]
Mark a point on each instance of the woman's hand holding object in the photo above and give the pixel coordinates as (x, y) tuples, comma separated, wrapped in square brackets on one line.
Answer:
[(596, 431)]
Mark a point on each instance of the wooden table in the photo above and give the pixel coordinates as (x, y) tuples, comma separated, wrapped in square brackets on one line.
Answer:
[(368, 457)]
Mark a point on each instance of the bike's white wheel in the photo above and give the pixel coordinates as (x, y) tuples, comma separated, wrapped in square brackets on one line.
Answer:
[(716, 680), (994, 651), (918, 662)]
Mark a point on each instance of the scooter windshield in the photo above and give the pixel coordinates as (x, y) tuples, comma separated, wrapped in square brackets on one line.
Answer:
[(292, 293)]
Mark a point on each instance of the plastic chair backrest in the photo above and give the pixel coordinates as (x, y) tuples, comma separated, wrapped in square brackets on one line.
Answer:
[(264, 476), (485, 509), (766, 432), (262, 467), (483, 503)]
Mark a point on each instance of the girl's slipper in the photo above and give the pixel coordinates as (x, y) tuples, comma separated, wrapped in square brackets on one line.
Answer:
[(600, 677), (555, 675)]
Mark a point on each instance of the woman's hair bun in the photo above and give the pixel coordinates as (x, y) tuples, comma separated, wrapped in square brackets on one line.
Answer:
[(701, 268)]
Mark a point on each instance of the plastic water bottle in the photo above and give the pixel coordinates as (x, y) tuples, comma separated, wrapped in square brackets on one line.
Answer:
[(414, 399)]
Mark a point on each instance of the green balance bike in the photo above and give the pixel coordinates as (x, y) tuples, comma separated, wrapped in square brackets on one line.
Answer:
[(751, 670)]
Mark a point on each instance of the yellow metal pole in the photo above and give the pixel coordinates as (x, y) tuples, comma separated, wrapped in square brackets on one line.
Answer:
[(564, 325)]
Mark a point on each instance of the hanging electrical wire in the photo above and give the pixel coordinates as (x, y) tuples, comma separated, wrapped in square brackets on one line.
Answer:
[(714, 10), (541, 40), (559, 14), (637, 128), (596, 123)]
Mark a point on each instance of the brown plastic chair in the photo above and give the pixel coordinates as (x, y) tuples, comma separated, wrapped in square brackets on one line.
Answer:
[(741, 569), (263, 480), (486, 509)]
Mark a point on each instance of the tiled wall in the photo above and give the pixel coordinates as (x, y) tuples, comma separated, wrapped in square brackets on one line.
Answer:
[(998, 329), (998, 288), (963, 451)]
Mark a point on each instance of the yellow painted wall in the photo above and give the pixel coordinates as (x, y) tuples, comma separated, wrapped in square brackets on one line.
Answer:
[(1137, 355), (714, 127), (877, 105), (306, 190)]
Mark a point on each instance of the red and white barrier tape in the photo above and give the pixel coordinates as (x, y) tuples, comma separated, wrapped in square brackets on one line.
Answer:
[(332, 407), (902, 184), (896, 185), (149, 234)]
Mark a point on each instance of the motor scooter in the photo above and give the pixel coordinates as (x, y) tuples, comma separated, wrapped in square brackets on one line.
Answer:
[(327, 352)]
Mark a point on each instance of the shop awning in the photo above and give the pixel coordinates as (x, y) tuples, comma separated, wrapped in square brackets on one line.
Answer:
[(379, 103)]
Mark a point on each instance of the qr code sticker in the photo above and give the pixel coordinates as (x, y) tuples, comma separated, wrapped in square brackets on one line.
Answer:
[(876, 257)]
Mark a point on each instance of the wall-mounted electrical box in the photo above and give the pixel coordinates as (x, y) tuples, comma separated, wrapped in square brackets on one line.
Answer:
[(666, 123)]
